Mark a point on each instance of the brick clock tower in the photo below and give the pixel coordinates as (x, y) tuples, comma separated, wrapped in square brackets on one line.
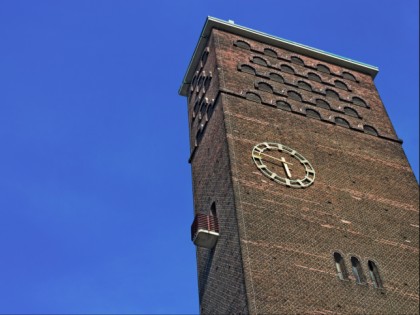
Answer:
[(304, 200)]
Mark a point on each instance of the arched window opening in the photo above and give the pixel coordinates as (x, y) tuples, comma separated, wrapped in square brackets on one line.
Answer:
[(213, 211), (323, 68), (265, 87), (358, 101), (276, 77), (357, 270), (287, 69), (340, 265), (314, 77), (196, 107), (243, 44), (205, 55), (247, 69), (374, 275), (332, 94), (323, 104), (253, 97), (304, 86), (313, 114), (210, 110), (270, 52), (297, 60), (349, 76), (294, 96), (350, 112), (259, 61), (370, 130), (342, 122), (341, 85), (284, 106)]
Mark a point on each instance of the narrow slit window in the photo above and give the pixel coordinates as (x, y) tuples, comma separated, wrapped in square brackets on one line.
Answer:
[(357, 270), (374, 275), (213, 211), (340, 265)]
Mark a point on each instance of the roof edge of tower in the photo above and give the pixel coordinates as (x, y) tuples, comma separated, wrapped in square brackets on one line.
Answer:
[(212, 22)]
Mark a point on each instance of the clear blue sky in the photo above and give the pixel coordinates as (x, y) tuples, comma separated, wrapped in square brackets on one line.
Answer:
[(95, 188)]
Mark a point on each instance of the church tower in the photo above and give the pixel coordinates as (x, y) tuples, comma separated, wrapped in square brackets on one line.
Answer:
[(304, 201)]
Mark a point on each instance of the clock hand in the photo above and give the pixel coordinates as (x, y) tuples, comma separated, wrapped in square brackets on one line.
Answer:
[(280, 160)]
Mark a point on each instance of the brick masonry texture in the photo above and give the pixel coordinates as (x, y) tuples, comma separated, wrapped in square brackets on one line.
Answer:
[(276, 245)]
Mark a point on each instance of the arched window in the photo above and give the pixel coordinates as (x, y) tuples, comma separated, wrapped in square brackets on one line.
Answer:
[(247, 69), (304, 86), (210, 110), (323, 104), (243, 44), (340, 265), (349, 76), (213, 211), (342, 122), (340, 85), (323, 68), (297, 61), (287, 69), (284, 106), (200, 133), (356, 267), (265, 87), (259, 61), (314, 77), (270, 52), (253, 97), (332, 94), (313, 114), (196, 107), (351, 112), (374, 275), (294, 96), (276, 77), (358, 101), (370, 130)]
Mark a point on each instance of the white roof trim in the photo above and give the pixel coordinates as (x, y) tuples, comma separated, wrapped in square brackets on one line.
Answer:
[(230, 27)]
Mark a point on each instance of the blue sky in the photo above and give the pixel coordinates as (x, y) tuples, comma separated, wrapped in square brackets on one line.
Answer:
[(95, 188)]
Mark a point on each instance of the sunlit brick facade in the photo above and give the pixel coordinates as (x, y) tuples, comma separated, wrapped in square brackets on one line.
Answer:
[(343, 242)]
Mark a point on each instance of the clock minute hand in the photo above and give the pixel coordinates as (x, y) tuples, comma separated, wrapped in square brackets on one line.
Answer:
[(280, 160)]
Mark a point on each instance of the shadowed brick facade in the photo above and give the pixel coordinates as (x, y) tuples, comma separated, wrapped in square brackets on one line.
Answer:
[(275, 253)]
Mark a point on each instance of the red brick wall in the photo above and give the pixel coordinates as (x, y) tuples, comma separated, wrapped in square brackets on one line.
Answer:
[(280, 240)]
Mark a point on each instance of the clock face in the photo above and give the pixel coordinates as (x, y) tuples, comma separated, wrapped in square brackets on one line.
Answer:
[(283, 165)]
